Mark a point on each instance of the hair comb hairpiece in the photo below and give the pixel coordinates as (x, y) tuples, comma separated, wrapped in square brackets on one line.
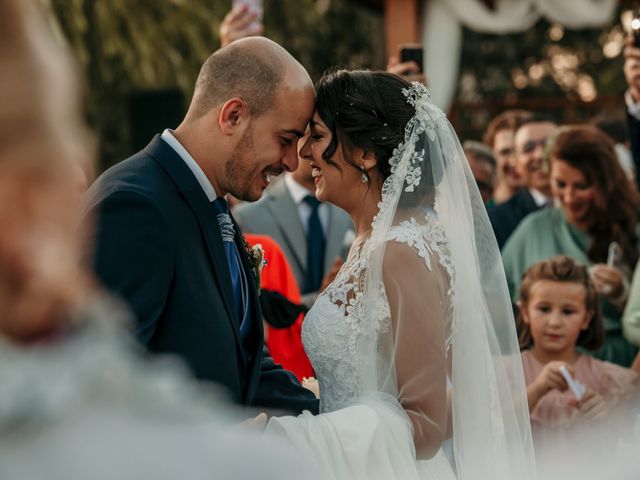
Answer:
[(415, 92)]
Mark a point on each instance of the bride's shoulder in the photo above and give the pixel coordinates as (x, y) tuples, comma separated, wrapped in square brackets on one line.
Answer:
[(421, 235)]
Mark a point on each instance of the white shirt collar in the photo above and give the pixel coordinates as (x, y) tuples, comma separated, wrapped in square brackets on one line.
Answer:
[(204, 182), (632, 106), (538, 197), (297, 191)]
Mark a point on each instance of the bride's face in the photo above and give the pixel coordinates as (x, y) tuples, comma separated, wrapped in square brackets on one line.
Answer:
[(337, 182)]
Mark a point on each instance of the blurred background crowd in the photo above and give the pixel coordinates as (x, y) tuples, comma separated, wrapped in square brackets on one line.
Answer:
[(546, 100)]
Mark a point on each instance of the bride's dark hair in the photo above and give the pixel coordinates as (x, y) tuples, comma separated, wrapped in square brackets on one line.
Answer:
[(366, 110)]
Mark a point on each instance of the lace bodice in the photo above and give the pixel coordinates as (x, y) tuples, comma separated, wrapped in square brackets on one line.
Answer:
[(333, 326)]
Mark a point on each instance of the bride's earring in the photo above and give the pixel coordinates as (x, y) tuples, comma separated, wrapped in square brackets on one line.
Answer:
[(364, 177)]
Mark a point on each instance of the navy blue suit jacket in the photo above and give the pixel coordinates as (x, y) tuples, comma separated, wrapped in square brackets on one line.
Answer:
[(507, 216), (158, 246)]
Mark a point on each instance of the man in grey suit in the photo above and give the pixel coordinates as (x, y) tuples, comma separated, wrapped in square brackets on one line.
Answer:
[(313, 235)]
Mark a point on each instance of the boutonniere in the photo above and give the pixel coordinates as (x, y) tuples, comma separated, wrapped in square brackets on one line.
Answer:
[(257, 261)]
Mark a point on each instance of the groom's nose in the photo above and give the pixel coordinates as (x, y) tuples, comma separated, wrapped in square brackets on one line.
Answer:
[(290, 159)]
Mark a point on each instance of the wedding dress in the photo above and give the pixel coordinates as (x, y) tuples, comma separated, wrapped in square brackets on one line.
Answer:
[(414, 341)]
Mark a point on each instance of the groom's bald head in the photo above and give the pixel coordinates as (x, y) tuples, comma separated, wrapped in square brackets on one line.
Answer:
[(251, 68)]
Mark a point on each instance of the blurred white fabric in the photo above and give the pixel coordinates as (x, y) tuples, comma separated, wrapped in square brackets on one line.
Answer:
[(89, 407), (443, 21)]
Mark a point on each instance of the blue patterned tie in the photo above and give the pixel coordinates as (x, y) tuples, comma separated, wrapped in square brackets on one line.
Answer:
[(315, 248), (227, 230)]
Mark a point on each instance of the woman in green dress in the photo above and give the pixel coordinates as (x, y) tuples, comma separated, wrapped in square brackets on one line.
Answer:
[(595, 222)]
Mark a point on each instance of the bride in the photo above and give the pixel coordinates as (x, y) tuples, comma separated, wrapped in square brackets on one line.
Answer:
[(414, 342)]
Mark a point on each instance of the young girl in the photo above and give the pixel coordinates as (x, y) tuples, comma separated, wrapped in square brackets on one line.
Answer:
[(558, 313)]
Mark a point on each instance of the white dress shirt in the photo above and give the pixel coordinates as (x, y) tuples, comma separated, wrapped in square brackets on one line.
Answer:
[(632, 106), (298, 192), (539, 198), (204, 182)]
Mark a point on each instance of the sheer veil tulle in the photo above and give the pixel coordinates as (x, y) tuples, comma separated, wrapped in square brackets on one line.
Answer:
[(431, 182)]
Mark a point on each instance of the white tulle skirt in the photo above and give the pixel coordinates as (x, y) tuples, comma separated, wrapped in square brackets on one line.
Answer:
[(360, 442)]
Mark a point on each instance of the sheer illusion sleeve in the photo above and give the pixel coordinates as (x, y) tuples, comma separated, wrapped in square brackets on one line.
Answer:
[(420, 315)]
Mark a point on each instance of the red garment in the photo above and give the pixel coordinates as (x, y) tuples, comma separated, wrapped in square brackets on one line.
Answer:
[(284, 344)]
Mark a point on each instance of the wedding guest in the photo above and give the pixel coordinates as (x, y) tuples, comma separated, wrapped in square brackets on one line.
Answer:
[(614, 124), (632, 99), (596, 207), (483, 167), (281, 308), (78, 401), (530, 141), (499, 136), (559, 312)]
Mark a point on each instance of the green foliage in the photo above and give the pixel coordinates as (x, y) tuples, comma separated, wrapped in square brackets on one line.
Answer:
[(126, 45), (570, 74)]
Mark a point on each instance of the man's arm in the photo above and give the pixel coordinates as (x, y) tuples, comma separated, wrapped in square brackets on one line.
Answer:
[(279, 389), (134, 255)]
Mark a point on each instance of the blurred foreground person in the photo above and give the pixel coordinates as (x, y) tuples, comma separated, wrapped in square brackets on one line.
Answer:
[(76, 401)]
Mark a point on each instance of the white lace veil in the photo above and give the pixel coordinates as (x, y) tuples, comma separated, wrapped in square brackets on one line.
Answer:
[(454, 316)]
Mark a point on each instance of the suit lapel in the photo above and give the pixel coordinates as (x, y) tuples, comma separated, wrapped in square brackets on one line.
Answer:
[(205, 214), (285, 214)]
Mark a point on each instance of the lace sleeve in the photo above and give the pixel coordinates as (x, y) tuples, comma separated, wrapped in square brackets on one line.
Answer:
[(419, 307)]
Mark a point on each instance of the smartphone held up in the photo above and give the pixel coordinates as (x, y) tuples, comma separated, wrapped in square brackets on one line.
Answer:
[(635, 29), (413, 53), (253, 6)]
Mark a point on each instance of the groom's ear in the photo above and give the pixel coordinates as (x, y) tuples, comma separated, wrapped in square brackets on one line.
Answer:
[(233, 114)]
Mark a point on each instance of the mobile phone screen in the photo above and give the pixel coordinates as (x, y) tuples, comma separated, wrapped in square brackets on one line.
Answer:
[(408, 54)]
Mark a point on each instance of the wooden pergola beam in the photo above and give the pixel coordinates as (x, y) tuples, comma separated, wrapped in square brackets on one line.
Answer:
[(401, 24)]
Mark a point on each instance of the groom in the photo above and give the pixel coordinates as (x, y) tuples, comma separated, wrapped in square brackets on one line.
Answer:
[(166, 241)]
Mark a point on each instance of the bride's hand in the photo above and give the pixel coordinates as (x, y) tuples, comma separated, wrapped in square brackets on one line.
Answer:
[(310, 383)]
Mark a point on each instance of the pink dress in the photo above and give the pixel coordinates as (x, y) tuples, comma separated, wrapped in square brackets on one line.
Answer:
[(567, 444), (565, 441), (553, 411)]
